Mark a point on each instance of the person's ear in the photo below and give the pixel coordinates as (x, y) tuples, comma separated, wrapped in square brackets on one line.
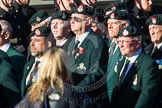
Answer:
[(7, 35), (49, 44), (88, 21)]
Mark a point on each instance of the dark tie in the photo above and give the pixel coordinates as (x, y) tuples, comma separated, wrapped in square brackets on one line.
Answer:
[(75, 47), (113, 45), (154, 50), (124, 70), (33, 74)]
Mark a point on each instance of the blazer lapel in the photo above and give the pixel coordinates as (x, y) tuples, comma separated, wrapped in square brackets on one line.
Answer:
[(132, 71)]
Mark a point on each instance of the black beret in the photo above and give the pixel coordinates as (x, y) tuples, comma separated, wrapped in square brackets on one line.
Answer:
[(130, 31), (154, 20), (63, 15), (119, 15), (38, 17), (83, 9), (98, 15), (41, 31), (115, 6)]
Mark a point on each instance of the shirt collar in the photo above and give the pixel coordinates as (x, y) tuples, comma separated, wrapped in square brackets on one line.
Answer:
[(134, 57), (159, 45), (5, 47), (61, 43), (81, 38)]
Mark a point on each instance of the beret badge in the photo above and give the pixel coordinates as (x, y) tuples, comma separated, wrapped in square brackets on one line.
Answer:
[(125, 32), (96, 18), (63, 16), (37, 32), (113, 7), (112, 16), (80, 8), (153, 19), (38, 19)]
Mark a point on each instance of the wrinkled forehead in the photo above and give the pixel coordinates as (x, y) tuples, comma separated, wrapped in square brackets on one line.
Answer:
[(113, 20), (155, 26)]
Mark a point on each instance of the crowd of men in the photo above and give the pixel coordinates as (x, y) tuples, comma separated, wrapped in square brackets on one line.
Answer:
[(115, 53)]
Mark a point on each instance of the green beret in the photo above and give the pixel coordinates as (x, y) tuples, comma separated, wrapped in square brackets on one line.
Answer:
[(130, 31), (83, 9), (41, 31), (63, 15), (154, 20), (38, 17), (115, 6), (119, 15)]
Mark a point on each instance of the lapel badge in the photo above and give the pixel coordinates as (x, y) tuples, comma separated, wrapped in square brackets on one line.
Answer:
[(27, 68), (76, 56), (81, 69), (154, 20), (80, 8), (135, 80), (125, 32), (38, 19), (115, 68), (160, 66)]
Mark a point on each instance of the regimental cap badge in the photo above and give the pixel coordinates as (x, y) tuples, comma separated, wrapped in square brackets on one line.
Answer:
[(80, 8), (125, 32), (38, 19), (37, 32), (63, 16), (113, 7), (96, 18), (112, 15), (154, 19)]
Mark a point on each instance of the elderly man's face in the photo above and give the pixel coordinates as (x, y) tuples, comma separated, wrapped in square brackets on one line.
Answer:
[(58, 28), (113, 27), (78, 23), (155, 33), (128, 45)]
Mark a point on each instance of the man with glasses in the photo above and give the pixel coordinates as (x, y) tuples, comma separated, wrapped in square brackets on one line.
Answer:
[(116, 20), (136, 83), (88, 55)]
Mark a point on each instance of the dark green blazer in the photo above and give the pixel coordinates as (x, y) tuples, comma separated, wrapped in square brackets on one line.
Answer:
[(140, 86), (27, 68), (110, 70), (18, 61), (89, 66), (9, 91)]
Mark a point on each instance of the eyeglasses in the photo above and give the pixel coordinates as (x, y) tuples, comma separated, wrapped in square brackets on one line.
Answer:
[(76, 19)]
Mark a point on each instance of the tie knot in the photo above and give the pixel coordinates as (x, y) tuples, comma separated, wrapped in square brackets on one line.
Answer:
[(76, 42), (37, 63), (127, 61)]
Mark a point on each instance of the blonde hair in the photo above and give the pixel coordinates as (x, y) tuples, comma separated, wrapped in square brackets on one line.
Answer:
[(52, 73)]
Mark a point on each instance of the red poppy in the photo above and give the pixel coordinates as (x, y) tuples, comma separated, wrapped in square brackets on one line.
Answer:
[(81, 51)]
